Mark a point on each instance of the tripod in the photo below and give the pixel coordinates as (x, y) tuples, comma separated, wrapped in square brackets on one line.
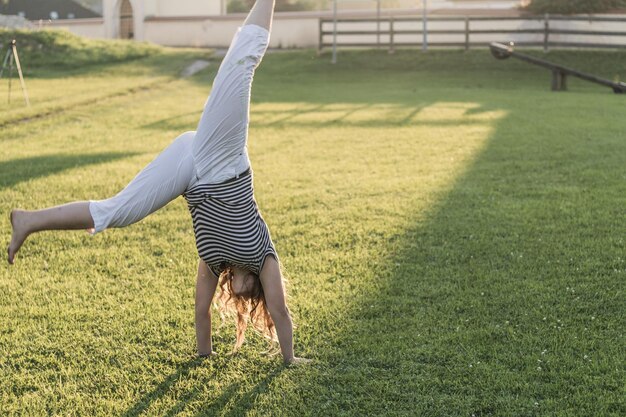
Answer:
[(10, 59)]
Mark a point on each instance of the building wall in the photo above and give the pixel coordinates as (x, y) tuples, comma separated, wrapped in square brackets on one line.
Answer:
[(143, 9), (89, 28), (218, 31)]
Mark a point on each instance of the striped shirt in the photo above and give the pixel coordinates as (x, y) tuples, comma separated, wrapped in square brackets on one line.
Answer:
[(228, 226)]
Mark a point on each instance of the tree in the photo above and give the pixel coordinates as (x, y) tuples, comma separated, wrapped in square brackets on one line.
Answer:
[(244, 6), (574, 6)]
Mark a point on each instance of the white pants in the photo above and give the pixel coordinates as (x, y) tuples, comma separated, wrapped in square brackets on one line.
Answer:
[(215, 152)]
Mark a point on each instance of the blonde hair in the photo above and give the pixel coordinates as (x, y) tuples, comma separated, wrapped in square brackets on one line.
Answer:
[(247, 307)]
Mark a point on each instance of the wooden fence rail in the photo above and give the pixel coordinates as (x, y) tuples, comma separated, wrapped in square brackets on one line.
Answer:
[(389, 27)]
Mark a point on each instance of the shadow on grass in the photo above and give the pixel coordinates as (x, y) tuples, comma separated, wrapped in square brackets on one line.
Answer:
[(489, 305), (233, 401), (169, 63), (19, 170), (182, 122), (164, 387), (325, 115)]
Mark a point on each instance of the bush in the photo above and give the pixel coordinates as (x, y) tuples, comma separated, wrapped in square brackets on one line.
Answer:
[(574, 6), (62, 49), (244, 6)]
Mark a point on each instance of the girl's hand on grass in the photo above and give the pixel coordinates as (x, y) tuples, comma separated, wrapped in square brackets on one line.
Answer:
[(298, 361)]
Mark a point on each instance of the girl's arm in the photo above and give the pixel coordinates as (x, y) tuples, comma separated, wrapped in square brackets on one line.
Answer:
[(206, 285)]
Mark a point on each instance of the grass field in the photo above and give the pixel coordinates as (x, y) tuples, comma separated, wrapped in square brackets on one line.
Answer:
[(453, 234)]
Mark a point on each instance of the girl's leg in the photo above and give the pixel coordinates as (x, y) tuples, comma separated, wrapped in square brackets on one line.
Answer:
[(164, 179), (219, 148), (261, 14), (71, 216)]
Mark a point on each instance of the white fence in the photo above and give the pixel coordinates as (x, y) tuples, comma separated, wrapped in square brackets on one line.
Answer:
[(545, 31)]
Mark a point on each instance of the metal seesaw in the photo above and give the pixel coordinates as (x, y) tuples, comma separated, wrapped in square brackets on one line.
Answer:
[(559, 72)]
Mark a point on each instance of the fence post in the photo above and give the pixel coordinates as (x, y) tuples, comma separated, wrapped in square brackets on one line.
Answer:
[(378, 23), (321, 41), (559, 80), (467, 33), (546, 31), (391, 45), (334, 59), (425, 26)]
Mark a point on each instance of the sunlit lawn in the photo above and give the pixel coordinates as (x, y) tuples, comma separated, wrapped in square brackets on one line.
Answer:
[(453, 234)]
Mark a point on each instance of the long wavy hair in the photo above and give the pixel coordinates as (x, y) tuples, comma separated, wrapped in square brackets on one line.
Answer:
[(248, 307)]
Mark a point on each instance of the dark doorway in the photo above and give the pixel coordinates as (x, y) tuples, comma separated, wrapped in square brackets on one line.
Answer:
[(127, 30)]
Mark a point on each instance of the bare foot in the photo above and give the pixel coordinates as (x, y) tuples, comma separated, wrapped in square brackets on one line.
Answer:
[(20, 233)]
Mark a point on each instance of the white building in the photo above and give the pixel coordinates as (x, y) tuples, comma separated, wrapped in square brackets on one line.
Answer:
[(204, 23), (126, 18)]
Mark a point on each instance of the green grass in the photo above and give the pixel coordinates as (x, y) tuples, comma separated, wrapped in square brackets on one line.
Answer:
[(64, 71), (453, 234), (63, 50)]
